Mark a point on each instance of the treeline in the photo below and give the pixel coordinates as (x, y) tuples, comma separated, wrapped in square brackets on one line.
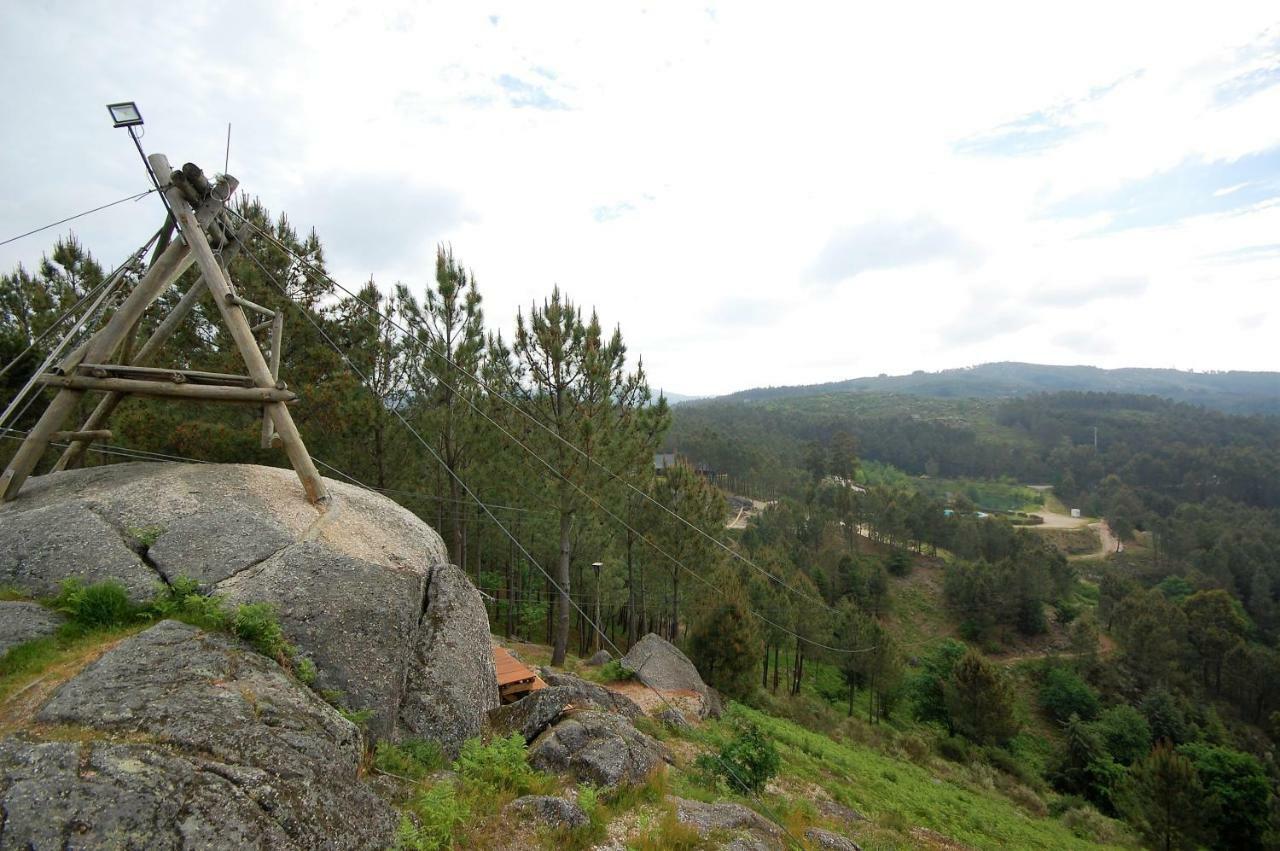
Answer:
[(409, 389)]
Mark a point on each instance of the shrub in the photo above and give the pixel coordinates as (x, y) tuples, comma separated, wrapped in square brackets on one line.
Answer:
[(1089, 824), (899, 563), (307, 672), (256, 624), (1125, 732), (99, 606), (437, 812), (1063, 694), (612, 672), (746, 763), (412, 758), (954, 748), (359, 717), (146, 535), (182, 600), (499, 765)]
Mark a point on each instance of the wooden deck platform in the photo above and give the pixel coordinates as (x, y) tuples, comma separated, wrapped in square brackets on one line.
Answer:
[(515, 679)]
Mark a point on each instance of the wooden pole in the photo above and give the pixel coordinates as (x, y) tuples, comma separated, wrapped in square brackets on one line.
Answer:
[(166, 269), (73, 453), (172, 390), (238, 325), (277, 340)]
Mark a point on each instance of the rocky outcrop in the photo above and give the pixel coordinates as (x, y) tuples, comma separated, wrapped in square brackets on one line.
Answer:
[(42, 546), (21, 622), (600, 657), (674, 718), (749, 828), (362, 587), (586, 693), (828, 841), (531, 715), (184, 739), (451, 684), (839, 812), (549, 811), (659, 664), (597, 747)]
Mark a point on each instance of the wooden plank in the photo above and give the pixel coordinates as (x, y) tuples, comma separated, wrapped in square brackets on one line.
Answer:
[(238, 325), (101, 434), (170, 390), (106, 370)]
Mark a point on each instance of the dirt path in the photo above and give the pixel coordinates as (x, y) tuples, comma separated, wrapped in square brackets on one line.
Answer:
[(1108, 541)]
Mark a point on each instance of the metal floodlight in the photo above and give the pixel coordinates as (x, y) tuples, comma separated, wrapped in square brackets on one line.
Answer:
[(125, 114)]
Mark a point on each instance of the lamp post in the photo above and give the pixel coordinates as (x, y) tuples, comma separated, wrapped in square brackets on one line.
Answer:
[(126, 114), (596, 565)]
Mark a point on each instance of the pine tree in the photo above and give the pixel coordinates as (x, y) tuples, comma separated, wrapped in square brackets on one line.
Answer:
[(1162, 797), (573, 380), (980, 700)]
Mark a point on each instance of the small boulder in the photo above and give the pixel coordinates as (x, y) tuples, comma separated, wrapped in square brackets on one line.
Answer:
[(674, 718), (839, 812), (21, 622), (600, 657), (829, 841), (548, 810), (533, 713), (659, 664), (593, 694), (599, 747), (753, 829)]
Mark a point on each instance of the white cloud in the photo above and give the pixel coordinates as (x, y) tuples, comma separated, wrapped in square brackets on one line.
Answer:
[(686, 169)]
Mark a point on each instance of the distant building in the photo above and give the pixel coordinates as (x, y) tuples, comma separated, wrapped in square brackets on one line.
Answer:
[(663, 461)]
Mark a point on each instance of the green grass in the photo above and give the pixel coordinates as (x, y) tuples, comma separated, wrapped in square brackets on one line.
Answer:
[(900, 795)]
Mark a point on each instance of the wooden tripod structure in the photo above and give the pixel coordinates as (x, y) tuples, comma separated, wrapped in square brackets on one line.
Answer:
[(199, 209)]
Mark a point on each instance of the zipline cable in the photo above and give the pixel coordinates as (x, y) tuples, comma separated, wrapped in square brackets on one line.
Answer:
[(565, 594), (495, 393), (137, 197), (594, 501)]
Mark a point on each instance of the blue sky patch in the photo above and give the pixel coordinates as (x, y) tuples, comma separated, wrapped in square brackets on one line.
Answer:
[(1193, 188), (522, 93)]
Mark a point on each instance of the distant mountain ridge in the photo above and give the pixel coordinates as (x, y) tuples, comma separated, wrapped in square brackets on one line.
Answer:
[(1233, 392)]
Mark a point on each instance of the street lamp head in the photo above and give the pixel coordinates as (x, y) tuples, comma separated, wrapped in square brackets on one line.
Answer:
[(125, 114)]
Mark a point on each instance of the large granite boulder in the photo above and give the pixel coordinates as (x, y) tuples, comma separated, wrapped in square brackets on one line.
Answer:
[(362, 586), (185, 739), (659, 664), (597, 747), (452, 683), (21, 622)]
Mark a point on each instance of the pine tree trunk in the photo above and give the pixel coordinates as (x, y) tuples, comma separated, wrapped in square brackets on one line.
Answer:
[(561, 643), (631, 594)]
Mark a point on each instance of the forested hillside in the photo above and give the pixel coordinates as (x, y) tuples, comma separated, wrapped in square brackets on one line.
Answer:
[(1239, 392), (896, 597)]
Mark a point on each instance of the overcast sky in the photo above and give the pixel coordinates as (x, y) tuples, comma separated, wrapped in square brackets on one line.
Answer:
[(775, 193)]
